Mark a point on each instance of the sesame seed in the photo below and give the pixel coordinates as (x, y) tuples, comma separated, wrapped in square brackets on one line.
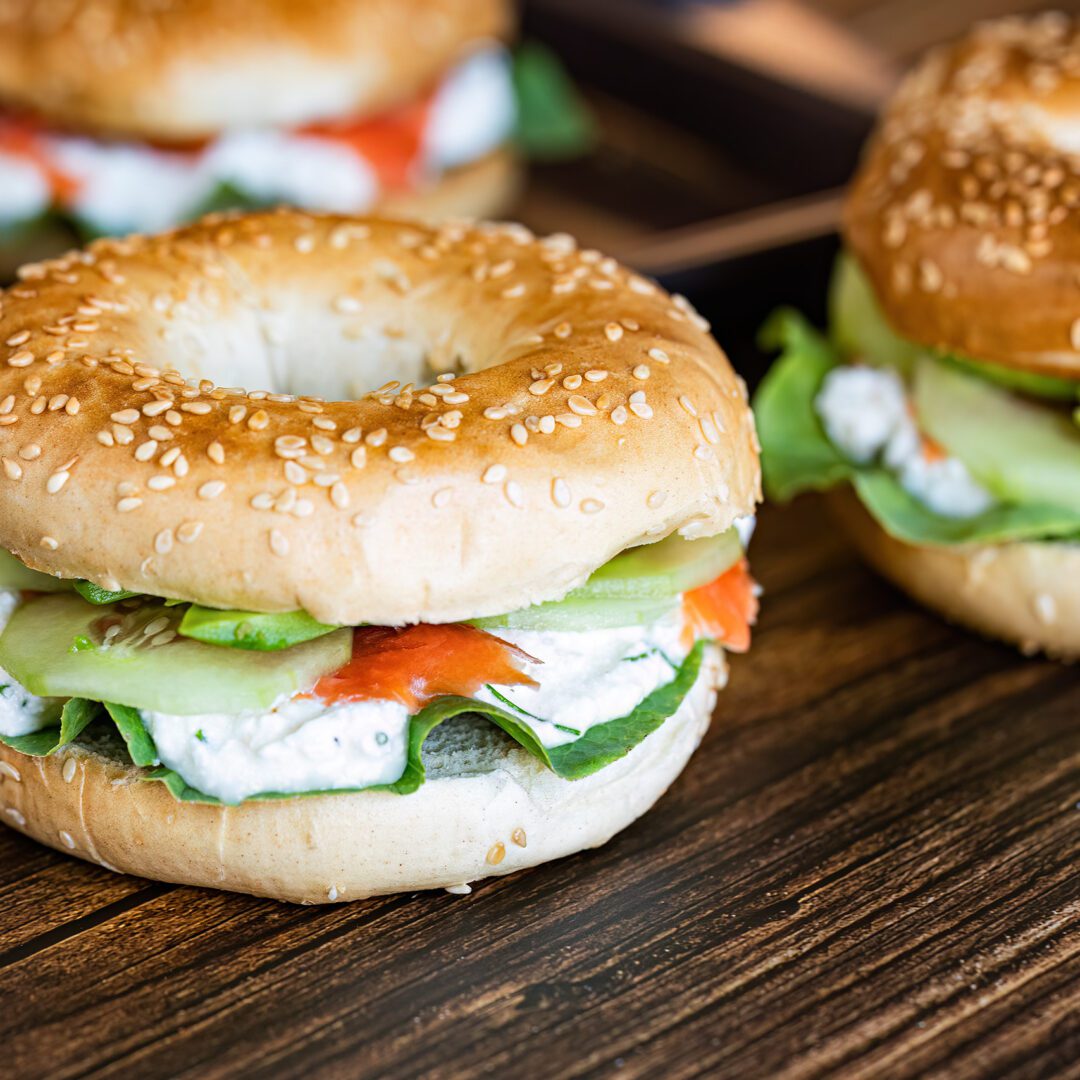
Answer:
[(493, 412), (352, 435), (169, 456), (211, 489), (20, 359), (560, 492), (659, 356), (339, 495), (619, 415), (216, 453), (126, 505), (704, 453), (641, 371), (613, 331), (145, 451), (519, 434), (163, 542), (67, 840), (572, 382), (154, 408), (56, 481), (570, 420), (541, 386), (515, 495), (279, 543), (50, 543), (68, 771), (189, 532), (546, 425), (581, 405), (161, 482), (125, 416), (656, 499), (591, 506), (441, 498), (494, 474), (295, 474), (401, 454), (376, 438), (358, 458)]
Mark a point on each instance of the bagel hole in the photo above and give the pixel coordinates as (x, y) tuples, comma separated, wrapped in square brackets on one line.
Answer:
[(280, 353)]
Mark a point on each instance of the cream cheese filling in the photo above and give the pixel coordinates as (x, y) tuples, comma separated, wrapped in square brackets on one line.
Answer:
[(868, 416)]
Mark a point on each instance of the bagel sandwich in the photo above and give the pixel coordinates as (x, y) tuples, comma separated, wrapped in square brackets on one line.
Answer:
[(119, 117), (345, 555), (940, 410)]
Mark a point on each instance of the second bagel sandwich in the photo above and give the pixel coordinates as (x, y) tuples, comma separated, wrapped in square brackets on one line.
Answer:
[(942, 410), (446, 592)]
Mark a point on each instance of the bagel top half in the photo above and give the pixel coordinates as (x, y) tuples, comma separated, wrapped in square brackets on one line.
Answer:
[(186, 69), (965, 212), (578, 409)]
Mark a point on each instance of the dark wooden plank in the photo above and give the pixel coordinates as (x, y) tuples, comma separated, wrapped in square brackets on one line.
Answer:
[(868, 869)]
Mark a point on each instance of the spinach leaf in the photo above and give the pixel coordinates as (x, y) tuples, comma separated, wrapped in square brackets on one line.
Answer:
[(77, 713)]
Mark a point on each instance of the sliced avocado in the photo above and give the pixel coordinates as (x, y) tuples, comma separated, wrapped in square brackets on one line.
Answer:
[(662, 570), (638, 586), (1022, 451), (95, 594), (61, 646), (17, 575), (580, 613), (251, 629)]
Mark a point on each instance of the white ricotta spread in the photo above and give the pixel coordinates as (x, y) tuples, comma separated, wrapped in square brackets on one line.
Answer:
[(588, 677), (300, 745), (868, 416), (20, 711), (133, 186)]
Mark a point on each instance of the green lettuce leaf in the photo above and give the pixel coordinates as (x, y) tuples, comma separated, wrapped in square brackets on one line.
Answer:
[(797, 456), (77, 713), (553, 121), (599, 746)]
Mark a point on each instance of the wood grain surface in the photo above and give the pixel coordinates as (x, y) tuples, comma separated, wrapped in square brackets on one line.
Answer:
[(869, 869)]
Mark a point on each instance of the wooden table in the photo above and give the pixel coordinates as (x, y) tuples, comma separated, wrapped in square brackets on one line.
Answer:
[(869, 869)]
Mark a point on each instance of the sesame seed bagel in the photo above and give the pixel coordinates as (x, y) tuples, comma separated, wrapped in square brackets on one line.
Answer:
[(186, 69), (592, 412), (965, 212), (485, 809), (1024, 593)]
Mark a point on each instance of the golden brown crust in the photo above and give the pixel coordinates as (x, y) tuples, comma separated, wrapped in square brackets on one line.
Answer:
[(321, 850), (1024, 593), (593, 412), (965, 212), (185, 69)]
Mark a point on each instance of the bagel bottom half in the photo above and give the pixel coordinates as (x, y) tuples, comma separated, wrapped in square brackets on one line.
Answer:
[(485, 188), (487, 808), (1026, 593)]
